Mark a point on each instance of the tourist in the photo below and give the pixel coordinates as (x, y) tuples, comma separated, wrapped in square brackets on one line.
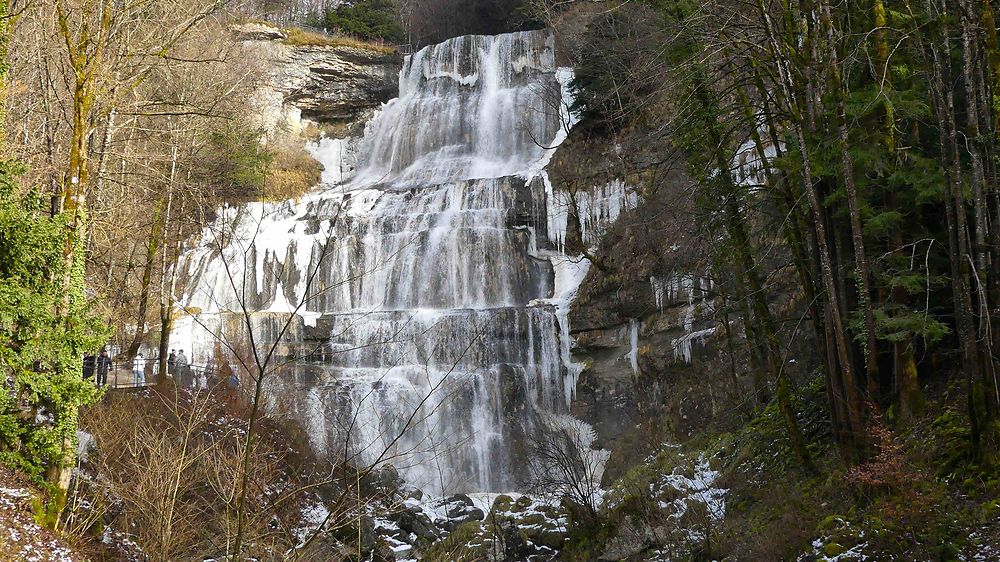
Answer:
[(137, 370), (103, 366), (172, 362), (89, 362), (181, 364)]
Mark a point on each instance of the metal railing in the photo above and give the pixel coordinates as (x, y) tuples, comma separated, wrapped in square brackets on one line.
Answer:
[(141, 373)]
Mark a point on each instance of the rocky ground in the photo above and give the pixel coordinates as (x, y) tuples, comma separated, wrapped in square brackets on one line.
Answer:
[(666, 507), (21, 538)]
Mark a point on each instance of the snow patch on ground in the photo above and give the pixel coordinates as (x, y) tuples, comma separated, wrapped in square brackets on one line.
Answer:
[(21, 539), (699, 487), (688, 497), (983, 550), (853, 554)]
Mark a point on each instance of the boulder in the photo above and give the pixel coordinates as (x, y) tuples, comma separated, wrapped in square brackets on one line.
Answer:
[(257, 31), (459, 509), (415, 523)]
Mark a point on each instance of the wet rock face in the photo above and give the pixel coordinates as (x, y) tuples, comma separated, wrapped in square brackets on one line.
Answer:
[(643, 321), (331, 84)]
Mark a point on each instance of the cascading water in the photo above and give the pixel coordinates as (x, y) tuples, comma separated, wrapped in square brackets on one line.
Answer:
[(429, 297)]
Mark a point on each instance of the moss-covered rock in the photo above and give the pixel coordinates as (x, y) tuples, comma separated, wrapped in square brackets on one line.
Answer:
[(833, 549)]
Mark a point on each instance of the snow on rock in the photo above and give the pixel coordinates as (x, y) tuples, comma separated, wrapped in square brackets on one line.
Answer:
[(840, 541), (828, 552), (313, 515), (983, 548), (687, 494), (535, 527), (699, 487)]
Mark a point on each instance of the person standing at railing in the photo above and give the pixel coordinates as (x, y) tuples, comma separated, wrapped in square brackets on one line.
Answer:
[(181, 364), (232, 381), (89, 363), (137, 372), (172, 363), (103, 366), (148, 371)]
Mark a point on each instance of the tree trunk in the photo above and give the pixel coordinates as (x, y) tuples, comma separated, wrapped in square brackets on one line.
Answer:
[(845, 404), (854, 207), (975, 148), (156, 231), (83, 54), (955, 211), (167, 294)]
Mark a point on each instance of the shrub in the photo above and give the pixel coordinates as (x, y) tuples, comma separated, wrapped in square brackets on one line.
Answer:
[(291, 173), (235, 163), (42, 337)]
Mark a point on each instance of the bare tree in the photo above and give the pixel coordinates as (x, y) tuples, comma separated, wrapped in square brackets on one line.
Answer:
[(565, 465)]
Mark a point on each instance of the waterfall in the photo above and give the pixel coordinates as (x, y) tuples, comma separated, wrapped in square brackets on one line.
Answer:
[(429, 296)]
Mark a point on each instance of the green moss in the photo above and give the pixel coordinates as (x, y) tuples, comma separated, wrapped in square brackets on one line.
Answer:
[(521, 504), (990, 510), (830, 522), (459, 546), (502, 503), (832, 549), (46, 510)]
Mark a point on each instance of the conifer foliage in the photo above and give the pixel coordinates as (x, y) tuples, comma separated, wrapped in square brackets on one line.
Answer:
[(367, 19)]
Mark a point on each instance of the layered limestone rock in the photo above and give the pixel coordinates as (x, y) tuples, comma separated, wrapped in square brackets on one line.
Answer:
[(334, 84), (258, 31), (643, 320), (646, 320), (324, 83)]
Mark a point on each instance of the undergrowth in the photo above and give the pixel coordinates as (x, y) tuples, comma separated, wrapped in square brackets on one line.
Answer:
[(291, 173), (301, 37), (920, 497)]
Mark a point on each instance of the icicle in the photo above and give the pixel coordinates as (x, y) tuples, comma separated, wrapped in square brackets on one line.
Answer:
[(633, 339)]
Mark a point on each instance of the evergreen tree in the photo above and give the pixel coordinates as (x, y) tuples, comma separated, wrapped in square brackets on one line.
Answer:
[(40, 347), (367, 19)]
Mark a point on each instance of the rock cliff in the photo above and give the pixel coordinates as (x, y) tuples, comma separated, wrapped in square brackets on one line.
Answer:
[(642, 320), (327, 83)]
